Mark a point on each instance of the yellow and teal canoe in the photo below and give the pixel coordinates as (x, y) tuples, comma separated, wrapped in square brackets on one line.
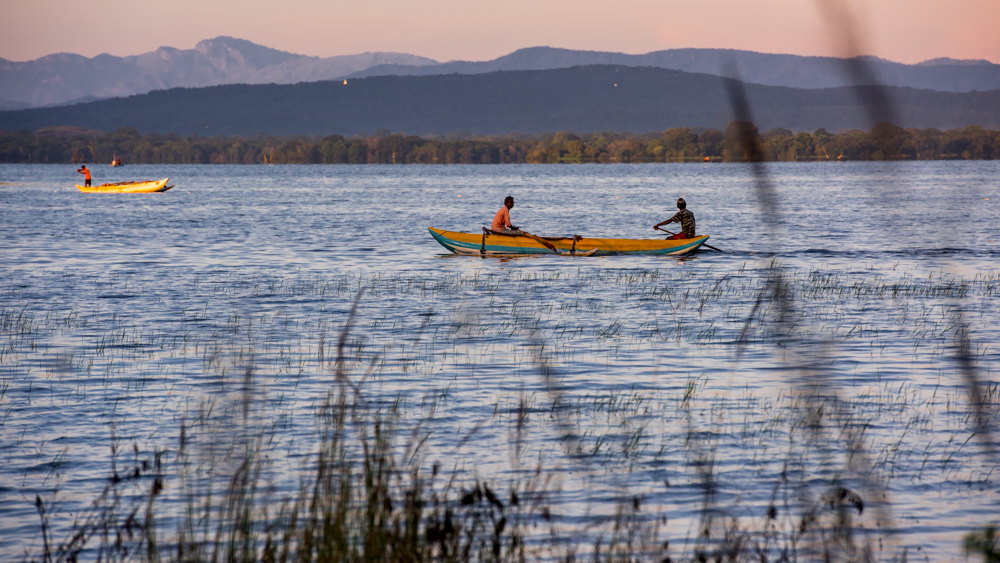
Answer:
[(128, 187), (498, 244)]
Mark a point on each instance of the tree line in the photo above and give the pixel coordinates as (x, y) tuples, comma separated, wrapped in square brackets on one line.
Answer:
[(883, 142)]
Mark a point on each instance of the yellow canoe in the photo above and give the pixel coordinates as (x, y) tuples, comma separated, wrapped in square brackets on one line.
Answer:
[(128, 187), (494, 244)]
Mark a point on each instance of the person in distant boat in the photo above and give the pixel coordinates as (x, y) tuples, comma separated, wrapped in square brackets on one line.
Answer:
[(501, 221), (86, 175), (685, 217)]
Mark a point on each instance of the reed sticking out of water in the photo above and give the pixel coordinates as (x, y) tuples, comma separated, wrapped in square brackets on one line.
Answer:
[(357, 500), (370, 492), (369, 489)]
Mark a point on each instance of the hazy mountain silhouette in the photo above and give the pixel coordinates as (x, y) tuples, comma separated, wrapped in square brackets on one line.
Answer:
[(578, 99), (12, 105), (66, 78), (943, 74), (63, 78)]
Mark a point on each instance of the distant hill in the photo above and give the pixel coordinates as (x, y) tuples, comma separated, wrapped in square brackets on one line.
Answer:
[(11, 104), (794, 71), (63, 78), (578, 99)]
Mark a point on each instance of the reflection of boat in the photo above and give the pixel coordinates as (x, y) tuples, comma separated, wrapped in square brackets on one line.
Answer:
[(490, 243), (129, 187)]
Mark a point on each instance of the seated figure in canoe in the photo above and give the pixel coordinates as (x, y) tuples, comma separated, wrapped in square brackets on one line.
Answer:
[(501, 221), (685, 217)]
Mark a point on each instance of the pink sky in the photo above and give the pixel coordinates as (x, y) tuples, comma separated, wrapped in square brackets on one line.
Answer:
[(902, 30)]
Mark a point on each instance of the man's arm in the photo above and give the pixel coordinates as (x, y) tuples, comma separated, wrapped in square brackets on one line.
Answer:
[(667, 222), (509, 225)]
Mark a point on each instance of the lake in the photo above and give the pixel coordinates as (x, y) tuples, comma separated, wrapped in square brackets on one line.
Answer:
[(805, 378)]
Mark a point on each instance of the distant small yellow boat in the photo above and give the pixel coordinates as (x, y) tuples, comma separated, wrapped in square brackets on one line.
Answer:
[(128, 187)]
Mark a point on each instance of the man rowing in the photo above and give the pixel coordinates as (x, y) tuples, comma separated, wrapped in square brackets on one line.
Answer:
[(684, 217), (501, 221), (501, 226)]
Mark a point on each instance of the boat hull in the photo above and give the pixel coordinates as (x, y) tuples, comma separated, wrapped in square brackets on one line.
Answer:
[(510, 245), (128, 187)]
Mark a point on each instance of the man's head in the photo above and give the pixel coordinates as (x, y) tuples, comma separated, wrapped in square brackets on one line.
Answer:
[(83, 167), (509, 201), (681, 204)]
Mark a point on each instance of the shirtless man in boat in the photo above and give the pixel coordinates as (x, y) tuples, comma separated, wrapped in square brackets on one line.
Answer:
[(86, 175), (684, 217), (501, 221)]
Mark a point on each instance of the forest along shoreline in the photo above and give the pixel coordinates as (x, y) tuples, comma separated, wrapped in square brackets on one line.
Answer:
[(885, 141)]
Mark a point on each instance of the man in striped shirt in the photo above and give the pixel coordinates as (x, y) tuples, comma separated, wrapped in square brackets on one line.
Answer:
[(684, 217)]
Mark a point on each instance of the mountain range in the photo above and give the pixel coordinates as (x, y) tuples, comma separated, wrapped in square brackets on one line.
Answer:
[(794, 71), (63, 78), (580, 99)]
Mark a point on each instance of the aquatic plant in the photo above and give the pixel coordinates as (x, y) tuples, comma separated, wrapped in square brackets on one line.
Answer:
[(275, 440)]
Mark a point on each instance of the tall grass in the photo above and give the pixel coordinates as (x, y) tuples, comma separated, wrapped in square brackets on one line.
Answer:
[(682, 469)]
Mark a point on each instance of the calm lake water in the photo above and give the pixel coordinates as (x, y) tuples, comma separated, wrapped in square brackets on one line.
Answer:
[(123, 316)]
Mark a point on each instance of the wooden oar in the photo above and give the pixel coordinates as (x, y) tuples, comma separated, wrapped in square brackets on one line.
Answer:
[(703, 244), (541, 241), (519, 233)]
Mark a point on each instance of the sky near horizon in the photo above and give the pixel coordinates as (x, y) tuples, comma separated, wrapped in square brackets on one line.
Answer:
[(907, 31)]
